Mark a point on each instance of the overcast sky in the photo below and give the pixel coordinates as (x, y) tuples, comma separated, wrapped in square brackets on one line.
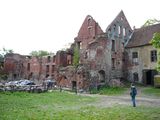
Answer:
[(27, 25)]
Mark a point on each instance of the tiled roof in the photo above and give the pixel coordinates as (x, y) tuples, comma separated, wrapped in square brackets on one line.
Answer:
[(143, 36)]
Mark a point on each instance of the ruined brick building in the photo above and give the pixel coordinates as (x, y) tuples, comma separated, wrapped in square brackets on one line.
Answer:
[(119, 53)]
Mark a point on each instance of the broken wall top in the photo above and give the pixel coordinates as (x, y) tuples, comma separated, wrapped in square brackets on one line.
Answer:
[(89, 29)]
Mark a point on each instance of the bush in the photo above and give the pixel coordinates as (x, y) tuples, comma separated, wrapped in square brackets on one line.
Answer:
[(3, 76)]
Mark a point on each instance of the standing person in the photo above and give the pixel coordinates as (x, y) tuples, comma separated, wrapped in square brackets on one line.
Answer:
[(133, 94)]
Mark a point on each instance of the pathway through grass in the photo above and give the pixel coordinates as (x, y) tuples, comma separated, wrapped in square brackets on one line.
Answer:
[(64, 106)]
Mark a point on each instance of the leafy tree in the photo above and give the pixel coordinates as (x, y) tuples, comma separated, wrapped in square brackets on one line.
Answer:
[(3, 52), (39, 53), (151, 22), (76, 56), (156, 43)]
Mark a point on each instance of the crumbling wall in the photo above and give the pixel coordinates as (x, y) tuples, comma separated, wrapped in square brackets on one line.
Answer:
[(72, 77), (13, 66)]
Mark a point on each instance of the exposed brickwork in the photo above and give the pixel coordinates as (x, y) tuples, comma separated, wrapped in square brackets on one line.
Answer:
[(13, 65), (103, 58), (88, 31)]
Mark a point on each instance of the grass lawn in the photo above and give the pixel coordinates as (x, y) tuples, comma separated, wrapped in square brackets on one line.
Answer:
[(109, 91), (66, 106), (152, 91)]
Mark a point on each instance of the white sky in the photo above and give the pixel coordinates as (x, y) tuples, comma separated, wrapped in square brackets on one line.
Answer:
[(27, 25)]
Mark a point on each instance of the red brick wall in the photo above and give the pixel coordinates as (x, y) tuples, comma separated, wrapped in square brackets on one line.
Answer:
[(88, 31), (61, 58)]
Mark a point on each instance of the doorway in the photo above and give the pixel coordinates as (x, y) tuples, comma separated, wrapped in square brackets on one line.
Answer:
[(74, 85), (148, 76), (102, 76)]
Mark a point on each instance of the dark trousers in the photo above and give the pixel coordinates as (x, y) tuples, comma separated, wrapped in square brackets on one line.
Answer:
[(133, 101)]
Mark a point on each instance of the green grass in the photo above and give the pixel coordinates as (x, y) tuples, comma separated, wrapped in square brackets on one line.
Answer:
[(109, 91), (111, 113), (152, 91), (67, 106), (36, 106)]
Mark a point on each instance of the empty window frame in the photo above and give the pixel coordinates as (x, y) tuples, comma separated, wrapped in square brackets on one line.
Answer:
[(114, 27), (89, 21), (28, 66), (113, 63), (113, 45), (49, 59), (119, 30), (90, 30), (124, 31), (80, 45), (53, 68), (47, 68), (54, 59)]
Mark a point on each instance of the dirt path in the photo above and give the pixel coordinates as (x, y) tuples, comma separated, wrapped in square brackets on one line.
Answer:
[(125, 99)]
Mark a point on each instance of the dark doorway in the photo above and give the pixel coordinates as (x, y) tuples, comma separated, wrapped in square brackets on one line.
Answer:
[(148, 76), (14, 76), (102, 76), (74, 85), (47, 75)]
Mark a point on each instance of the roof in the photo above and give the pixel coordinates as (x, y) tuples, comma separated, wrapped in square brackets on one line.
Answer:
[(143, 36)]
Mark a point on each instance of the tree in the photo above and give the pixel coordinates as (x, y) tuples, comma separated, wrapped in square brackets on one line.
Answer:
[(151, 22), (3, 52), (76, 56), (39, 53), (156, 43)]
